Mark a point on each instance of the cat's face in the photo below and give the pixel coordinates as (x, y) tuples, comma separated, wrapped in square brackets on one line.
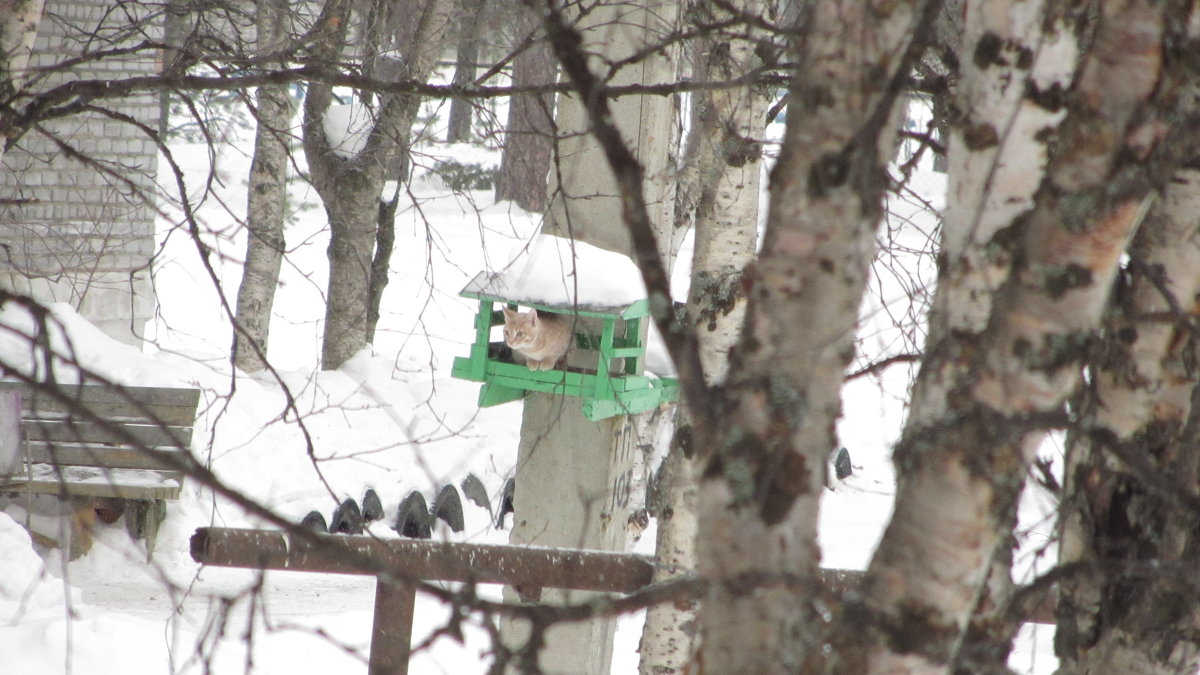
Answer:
[(520, 329)]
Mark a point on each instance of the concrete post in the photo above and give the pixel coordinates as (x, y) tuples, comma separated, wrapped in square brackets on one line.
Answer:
[(578, 481), (574, 489), (584, 199)]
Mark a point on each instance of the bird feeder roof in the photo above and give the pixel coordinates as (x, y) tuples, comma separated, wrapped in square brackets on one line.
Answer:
[(491, 287), (563, 275)]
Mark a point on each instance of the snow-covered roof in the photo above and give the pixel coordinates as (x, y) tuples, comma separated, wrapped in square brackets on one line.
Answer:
[(563, 273)]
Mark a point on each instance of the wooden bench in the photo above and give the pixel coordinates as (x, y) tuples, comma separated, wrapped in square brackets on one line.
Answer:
[(104, 451)]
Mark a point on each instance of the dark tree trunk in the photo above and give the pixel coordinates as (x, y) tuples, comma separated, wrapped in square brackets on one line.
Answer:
[(385, 242), (351, 260), (464, 70), (525, 162), (351, 187)]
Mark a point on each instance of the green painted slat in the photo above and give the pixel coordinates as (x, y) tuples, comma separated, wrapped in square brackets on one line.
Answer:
[(603, 388), (544, 387), (630, 383), (464, 369), (539, 376), (484, 319), (491, 394), (636, 364), (638, 309), (631, 403), (598, 410), (624, 352)]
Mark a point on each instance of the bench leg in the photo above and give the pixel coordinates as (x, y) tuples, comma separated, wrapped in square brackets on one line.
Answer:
[(109, 509), (142, 520), (83, 525)]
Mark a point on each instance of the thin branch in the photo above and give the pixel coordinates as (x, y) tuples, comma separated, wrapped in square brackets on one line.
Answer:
[(884, 364)]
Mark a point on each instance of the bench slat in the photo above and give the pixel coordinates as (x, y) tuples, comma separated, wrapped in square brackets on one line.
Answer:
[(114, 457), (170, 405), (96, 482), (72, 431)]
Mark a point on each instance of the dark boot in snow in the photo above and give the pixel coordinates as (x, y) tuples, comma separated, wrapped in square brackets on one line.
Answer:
[(841, 464), (316, 522), (372, 508), (347, 519), (412, 517), (506, 502), (474, 490), (448, 507)]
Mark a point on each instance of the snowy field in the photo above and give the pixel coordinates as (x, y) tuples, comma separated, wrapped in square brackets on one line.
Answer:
[(391, 419)]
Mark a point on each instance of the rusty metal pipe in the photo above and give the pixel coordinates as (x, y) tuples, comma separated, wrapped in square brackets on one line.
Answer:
[(433, 561)]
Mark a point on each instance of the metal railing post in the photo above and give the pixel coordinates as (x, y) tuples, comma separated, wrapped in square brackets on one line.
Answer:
[(391, 636)]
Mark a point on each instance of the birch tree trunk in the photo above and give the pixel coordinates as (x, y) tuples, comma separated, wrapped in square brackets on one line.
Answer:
[(996, 156), (351, 187), (725, 148), (985, 398), (763, 476), (724, 157), (1130, 521), (266, 202), (19, 21)]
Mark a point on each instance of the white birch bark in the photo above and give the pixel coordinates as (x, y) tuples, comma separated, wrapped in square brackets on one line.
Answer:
[(1143, 394), (669, 634), (725, 145), (761, 485), (727, 130), (19, 21), (960, 472), (266, 202), (996, 159)]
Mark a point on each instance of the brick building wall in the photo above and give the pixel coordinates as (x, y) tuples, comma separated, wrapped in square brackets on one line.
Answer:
[(82, 231)]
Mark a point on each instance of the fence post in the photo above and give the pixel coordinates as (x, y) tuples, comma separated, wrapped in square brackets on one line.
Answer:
[(391, 636)]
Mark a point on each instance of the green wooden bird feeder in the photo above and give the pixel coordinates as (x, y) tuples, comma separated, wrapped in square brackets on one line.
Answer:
[(614, 383)]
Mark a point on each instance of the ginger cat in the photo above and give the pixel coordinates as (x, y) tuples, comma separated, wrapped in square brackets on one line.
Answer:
[(543, 340)]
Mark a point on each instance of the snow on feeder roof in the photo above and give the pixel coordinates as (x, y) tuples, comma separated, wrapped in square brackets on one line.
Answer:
[(554, 273)]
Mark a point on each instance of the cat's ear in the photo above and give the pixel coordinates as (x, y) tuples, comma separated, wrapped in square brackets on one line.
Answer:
[(509, 314), (533, 317)]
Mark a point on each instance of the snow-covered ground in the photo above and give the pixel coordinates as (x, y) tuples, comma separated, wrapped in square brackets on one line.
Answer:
[(391, 419)]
